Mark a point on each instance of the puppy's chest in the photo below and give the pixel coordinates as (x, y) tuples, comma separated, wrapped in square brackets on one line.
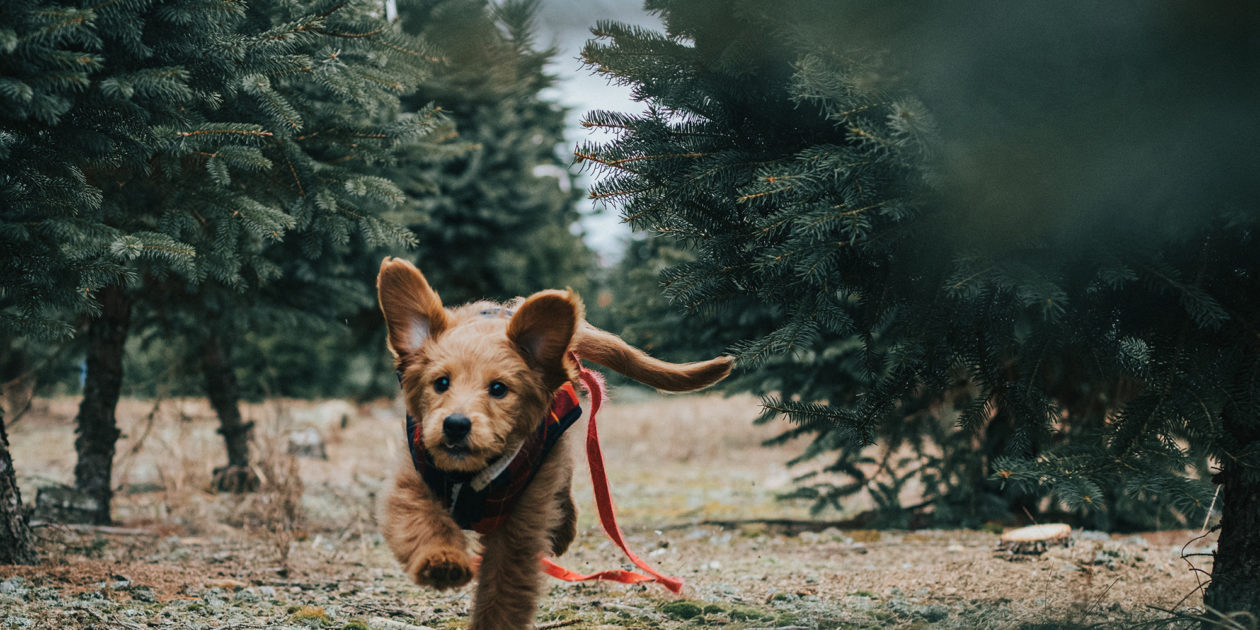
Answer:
[(482, 501)]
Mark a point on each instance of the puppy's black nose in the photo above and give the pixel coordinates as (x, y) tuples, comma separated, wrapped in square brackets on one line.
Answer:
[(456, 427)]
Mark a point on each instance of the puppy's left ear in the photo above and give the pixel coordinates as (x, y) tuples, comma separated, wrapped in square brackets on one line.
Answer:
[(543, 329)]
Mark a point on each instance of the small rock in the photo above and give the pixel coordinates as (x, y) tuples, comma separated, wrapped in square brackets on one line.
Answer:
[(932, 613), (143, 593), (860, 602), (307, 443), (64, 504), (14, 589), (248, 595), (900, 606)]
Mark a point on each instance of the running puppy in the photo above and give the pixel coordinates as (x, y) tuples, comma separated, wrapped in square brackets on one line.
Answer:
[(489, 390)]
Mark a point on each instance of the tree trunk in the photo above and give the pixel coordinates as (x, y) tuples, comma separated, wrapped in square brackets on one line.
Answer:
[(998, 434), (225, 393), (97, 425), (17, 546), (1235, 582)]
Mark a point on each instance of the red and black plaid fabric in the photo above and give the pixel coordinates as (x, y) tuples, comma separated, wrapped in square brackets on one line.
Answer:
[(485, 510)]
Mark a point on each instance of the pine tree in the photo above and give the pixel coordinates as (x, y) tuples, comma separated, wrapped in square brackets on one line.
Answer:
[(49, 212), (492, 209), (498, 223), (213, 132), (994, 226)]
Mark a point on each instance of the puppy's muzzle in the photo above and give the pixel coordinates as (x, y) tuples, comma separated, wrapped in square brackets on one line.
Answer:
[(455, 428)]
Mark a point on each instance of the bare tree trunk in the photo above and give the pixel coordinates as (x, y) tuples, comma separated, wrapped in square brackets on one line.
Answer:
[(97, 425), (17, 546), (225, 393), (1236, 573), (1235, 583)]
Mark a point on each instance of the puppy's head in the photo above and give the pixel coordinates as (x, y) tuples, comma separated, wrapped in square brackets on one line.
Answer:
[(477, 378)]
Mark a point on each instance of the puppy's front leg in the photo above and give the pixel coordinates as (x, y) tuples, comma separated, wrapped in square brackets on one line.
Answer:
[(430, 546), (509, 580)]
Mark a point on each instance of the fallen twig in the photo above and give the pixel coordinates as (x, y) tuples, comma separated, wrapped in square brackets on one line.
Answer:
[(559, 624), (390, 624), (1214, 618), (100, 529), (106, 620)]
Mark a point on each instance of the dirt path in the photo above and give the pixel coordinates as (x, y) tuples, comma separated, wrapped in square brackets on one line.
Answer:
[(188, 559)]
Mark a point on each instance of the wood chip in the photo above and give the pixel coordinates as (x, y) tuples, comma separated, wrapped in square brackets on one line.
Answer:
[(1034, 533), (1035, 538)]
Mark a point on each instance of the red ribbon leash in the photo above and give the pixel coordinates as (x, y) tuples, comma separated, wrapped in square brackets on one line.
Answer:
[(594, 384)]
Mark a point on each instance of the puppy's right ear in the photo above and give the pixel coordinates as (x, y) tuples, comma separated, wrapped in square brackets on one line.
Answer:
[(413, 311)]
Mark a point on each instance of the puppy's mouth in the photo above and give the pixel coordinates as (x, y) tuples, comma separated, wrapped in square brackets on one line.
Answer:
[(458, 451), (460, 457)]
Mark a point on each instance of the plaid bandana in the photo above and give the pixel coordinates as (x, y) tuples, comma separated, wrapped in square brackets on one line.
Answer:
[(482, 501)]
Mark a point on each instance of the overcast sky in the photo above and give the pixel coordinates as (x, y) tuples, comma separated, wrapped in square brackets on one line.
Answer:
[(566, 24)]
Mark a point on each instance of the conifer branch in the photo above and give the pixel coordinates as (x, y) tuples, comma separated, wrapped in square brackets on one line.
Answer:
[(618, 193), (765, 193), (237, 132), (349, 35), (585, 157)]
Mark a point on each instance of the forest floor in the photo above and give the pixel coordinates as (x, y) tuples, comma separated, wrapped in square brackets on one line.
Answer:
[(696, 494)]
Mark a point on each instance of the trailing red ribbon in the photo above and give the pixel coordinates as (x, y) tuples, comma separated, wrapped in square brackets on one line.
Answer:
[(594, 384)]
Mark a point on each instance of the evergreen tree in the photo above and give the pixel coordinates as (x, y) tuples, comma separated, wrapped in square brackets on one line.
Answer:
[(49, 213), (492, 211), (498, 224), (1011, 223), (214, 131)]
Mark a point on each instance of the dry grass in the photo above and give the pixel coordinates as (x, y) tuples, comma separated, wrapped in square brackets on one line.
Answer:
[(672, 461)]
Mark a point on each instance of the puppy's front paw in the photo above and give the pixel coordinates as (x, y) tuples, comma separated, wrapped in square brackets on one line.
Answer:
[(442, 568)]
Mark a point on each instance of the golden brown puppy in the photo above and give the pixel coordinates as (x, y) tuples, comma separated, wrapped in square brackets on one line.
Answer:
[(488, 390)]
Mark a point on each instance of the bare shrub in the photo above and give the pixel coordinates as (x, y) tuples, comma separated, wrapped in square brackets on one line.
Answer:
[(275, 511)]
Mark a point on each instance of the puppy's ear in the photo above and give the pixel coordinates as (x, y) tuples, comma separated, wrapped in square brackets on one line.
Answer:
[(543, 329), (413, 311)]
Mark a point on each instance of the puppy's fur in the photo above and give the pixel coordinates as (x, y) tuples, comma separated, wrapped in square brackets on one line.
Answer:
[(524, 346)]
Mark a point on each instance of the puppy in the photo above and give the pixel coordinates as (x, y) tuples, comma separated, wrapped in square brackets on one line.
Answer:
[(489, 389)]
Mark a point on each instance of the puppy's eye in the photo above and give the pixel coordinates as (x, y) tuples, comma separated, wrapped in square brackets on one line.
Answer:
[(441, 385), (498, 390)]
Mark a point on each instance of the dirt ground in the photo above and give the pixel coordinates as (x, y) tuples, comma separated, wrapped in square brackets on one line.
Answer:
[(307, 554)]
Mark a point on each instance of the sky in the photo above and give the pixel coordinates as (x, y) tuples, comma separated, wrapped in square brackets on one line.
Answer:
[(566, 24)]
